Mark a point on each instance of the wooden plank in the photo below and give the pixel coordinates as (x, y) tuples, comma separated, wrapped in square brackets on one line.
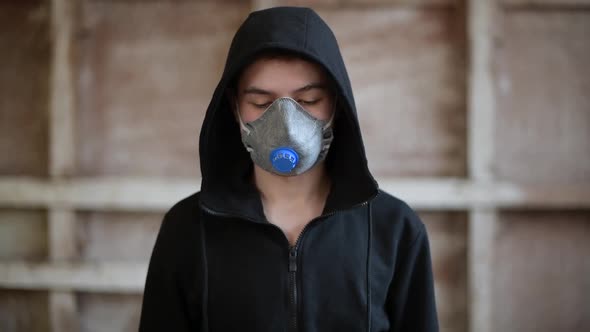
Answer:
[(541, 263), (545, 4), (23, 235), (447, 232), (61, 106), (128, 277), (482, 232), (109, 312), (407, 71), (543, 131), (481, 15), (17, 192), (144, 87), (61, 221), (24, 72), (23, 311), (63, 247), (63, 311), (356, 4), (117, 236), (149, 194), (62, 234), (481, 98), (459, 194), (159, 194)]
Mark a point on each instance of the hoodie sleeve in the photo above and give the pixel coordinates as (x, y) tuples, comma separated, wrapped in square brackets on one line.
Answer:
[(412, 305), (169, 299)]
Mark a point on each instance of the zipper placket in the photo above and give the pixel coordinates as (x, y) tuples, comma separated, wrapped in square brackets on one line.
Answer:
[(292, 252), (293, 287)]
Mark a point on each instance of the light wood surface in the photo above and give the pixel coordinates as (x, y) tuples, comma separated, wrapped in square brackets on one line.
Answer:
[(474, 112)]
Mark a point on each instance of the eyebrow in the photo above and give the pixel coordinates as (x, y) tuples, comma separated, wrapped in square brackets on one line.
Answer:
[(259, 91), (256, 91), (312, 86)]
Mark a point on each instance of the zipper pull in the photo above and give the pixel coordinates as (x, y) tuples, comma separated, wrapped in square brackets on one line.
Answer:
[(293, 259)]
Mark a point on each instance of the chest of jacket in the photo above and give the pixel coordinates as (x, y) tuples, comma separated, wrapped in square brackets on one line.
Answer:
[(257, 282)]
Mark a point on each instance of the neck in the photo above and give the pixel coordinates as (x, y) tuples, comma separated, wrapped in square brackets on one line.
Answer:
[(311, 186)]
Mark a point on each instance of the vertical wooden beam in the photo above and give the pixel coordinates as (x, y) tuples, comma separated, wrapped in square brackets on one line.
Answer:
[(62, 234), (482, 233), (480, 94), (481, 118), (61, 220), (63, 311), (61, 112), (261, 4)]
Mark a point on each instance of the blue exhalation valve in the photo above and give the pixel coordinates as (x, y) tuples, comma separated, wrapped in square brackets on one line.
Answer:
[(284, 159)]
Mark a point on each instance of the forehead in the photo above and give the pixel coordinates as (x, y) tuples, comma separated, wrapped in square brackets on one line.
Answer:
[(279, 71)]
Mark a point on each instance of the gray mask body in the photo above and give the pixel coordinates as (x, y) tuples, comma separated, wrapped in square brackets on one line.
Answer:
[(286, 139)]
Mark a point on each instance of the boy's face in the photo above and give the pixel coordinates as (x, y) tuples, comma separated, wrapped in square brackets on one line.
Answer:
[(267, 79)]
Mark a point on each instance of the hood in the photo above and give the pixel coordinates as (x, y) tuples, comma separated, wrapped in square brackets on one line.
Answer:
[(226, 166)]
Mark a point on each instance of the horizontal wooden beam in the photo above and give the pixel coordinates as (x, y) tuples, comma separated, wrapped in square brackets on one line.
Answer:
[(545, 5), (153, 194), (87, 277), (361, 4), (145, 194)]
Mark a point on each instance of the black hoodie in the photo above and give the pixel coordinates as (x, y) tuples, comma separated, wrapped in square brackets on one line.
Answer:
[(219, 265)]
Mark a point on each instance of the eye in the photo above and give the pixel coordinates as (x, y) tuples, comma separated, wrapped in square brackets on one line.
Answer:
[(308, 102), (261, 106)]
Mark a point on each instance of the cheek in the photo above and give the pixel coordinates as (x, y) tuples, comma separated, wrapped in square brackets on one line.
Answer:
[(249, 113), (322, 111)]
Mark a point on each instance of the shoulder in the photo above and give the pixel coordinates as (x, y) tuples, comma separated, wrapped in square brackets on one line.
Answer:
[(393, 216), (187, 207), (181, 220), (178, 245)]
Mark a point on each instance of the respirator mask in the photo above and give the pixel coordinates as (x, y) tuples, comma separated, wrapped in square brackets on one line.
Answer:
[(286, 139)]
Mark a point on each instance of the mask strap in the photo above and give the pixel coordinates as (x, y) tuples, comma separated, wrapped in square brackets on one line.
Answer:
[(242, 125), (329, 123)]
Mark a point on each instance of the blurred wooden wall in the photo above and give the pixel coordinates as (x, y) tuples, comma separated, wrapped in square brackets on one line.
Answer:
[(476, 113)]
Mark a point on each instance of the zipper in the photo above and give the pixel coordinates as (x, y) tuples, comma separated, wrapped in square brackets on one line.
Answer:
[(293, 251), (293, 287)]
